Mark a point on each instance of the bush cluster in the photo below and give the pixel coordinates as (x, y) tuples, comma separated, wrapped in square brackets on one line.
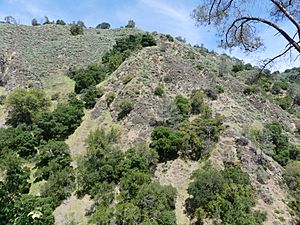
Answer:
[(140, 199), (37, 137), (224, 195)]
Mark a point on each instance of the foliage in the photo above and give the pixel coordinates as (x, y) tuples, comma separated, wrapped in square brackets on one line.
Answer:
[(85, 78), (103, 25), (110, 97), (126, 106), (130, 24), (248, 90), (170, 38), (159, 90), (24, 104), (19, 139), (166, 142), (60, 22), (226, 195), (34, 22), (183, 105), (292, 178), (53, 156), (139, 199), (237, 24), (60, 123), (90, 96), (76, 29), (276, 143)]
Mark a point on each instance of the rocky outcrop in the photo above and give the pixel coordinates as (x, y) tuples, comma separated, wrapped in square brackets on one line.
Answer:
[(14, 73)]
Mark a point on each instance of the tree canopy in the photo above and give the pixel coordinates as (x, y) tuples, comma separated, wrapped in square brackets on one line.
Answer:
[(239, 22)]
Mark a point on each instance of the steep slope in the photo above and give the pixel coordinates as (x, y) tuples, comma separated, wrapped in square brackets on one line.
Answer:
[(173, 65), (50, 49)]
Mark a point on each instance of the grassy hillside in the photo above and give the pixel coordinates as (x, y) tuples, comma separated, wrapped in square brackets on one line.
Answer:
[(174, 134), (50, 49)]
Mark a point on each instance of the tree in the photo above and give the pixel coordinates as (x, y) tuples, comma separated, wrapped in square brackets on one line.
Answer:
[(24, 104), (10, 20), (103, 25), (34, 22), (60, 22), (239, 25), (76, 29), (131, 24)]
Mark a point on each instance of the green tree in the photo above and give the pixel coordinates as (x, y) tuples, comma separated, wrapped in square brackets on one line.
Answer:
[(60, 22), (24, 104), (103, 25), (76, 29), (130, 24)]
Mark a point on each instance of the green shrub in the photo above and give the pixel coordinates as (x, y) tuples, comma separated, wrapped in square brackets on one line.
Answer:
[(76, 29), (284, 102), (183, 105), (60, 123), (166, 142), (148, 40), (199, 67), (159, 90), (110, 97), (220, 89), (53, 156), (24, 104), (90, 96), (127, 79), (248, 90), (169, 38), (197, 101), (103, 25), (125, 108), (237, 68), (226, 195)]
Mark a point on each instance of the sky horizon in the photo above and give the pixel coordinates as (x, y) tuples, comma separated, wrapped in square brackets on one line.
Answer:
[(163, 16)]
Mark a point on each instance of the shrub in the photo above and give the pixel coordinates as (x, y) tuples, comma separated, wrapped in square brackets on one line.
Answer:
[(183, 105), (90, 96), (103, 25), (284, 102), (166, 142), (159, 90), (211, 94), (226, 195), (197, 100), (60, 123), (24, 104), (130, 24), (125, 108), (127, 79), (248, 90), (76, 29), (148, 40), (110, 97), (199, 67), (88, 77), (53, 156), (169, 38), (220, 89), (60, 22), (237, 68)]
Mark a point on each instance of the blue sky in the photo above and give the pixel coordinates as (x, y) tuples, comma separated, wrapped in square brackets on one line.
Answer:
[(165, 16)]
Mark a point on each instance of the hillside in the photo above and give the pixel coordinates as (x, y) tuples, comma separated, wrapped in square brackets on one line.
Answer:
[(156, 82)]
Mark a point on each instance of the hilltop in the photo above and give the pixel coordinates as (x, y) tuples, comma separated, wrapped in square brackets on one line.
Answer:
[(193, 98)]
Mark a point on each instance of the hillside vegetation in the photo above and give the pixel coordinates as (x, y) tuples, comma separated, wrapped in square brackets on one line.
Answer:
[(128, 127)]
